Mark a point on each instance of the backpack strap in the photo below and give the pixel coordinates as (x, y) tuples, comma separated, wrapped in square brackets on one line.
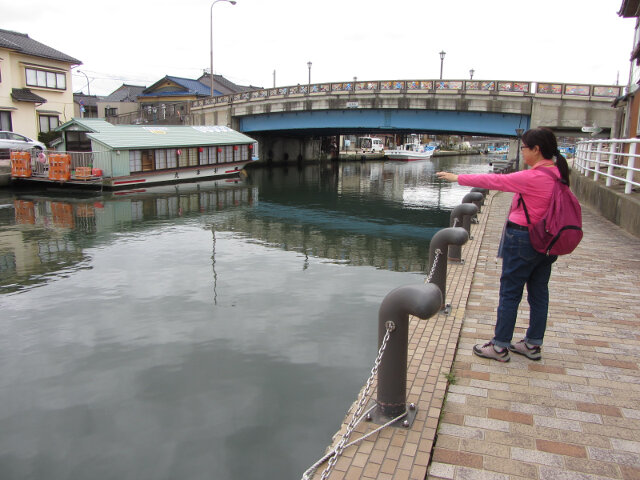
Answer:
[(524, 207), (521, 200)]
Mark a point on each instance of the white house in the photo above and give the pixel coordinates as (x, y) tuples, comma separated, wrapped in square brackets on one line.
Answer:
[(36, 94)]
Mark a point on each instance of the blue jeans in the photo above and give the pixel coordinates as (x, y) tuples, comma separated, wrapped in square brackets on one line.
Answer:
[(522, 265)]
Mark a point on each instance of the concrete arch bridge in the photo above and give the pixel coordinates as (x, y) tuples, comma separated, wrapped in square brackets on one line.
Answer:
[(291, 122)]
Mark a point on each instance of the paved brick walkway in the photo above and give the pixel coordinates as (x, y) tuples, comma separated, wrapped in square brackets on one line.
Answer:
[(575, 415)]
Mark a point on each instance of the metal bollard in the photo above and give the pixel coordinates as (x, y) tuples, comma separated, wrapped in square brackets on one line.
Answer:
[(423, 301), (483, 191), (441, 241), (474, 197), (461, 215)]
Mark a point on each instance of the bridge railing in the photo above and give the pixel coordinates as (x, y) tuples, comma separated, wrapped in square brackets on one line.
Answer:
[(486, 87), (614, 159)]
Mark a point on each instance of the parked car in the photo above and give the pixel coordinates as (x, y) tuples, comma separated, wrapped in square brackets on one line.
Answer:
[(14, 141)]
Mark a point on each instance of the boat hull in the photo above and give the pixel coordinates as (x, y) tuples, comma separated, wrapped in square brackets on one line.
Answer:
[(176, 175), (406, 156)]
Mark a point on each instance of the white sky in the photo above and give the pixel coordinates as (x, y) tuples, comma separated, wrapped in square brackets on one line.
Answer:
[(140, 41)]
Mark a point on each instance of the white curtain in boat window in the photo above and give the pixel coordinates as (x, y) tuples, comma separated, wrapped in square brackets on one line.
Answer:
[(135, 161), (244, 152), (172, 158), (227, 154), (161, 159), (183, 158), (193, 157)]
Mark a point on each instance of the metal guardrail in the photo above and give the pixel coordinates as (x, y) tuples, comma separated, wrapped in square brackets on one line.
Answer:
[(40, 163), (614, 159)]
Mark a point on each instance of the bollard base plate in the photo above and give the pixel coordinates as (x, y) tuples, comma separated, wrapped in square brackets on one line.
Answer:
[(456, 260), (379, 418)]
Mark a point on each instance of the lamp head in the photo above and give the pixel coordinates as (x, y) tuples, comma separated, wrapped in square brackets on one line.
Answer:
[(442, 54)]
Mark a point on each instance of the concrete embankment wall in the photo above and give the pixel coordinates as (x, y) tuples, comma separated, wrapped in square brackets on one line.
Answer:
[(610, 202)]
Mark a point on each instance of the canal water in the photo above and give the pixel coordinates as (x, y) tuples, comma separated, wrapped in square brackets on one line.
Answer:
[(216, 330)]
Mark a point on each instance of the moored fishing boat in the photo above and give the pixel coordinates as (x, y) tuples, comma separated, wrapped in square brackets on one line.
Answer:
[(410, 152)]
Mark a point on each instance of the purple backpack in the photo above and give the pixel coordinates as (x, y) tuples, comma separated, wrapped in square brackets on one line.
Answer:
[(559, 231)]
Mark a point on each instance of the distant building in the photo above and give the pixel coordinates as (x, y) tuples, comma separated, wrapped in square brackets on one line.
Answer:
[(35, 85), (168, 101), (85, 106), (121, 101), (223, 86), (629, 103)]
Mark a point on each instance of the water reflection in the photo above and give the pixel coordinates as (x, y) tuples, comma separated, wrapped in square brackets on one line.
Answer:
[(49, 233), (212, 330)]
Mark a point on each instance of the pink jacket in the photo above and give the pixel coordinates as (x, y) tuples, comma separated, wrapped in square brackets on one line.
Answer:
[(534, 186)]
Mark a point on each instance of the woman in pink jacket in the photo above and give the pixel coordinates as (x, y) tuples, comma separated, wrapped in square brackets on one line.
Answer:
[(521, 264)]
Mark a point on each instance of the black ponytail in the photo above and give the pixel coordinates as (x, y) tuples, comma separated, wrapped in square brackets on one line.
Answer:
[(563, 167)]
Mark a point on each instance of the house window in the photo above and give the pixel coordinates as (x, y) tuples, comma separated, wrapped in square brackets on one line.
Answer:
[(110, 112), (5, 121), (45, 79), (48, 122)]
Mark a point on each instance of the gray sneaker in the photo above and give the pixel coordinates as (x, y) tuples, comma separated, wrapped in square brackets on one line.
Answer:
[(489, 350), (532, 352)]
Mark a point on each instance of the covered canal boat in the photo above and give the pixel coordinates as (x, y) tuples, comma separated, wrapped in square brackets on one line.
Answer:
[(95, 153)]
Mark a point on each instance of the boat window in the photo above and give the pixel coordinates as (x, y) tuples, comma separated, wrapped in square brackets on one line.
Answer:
[(135, 161), (244, 152), (227, 154), (172, 158), (183, 158), (193, 157), (161, 159), (212, 154), (203, 157)]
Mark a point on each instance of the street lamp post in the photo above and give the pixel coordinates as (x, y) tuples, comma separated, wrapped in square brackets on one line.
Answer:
[(309, 83), (232, 2), (519, 134), (442, 54), (471, 72), (85, 76)]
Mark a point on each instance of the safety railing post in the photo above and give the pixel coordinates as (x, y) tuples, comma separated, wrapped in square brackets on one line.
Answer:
[(441, 242), (461, 216), (423, 301), (630, 168)]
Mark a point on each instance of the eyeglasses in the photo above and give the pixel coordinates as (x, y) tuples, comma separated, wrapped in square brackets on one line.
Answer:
[(523, 147)]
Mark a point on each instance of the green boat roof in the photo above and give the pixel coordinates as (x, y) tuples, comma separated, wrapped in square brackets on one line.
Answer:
[(85, 125), (129, 137)]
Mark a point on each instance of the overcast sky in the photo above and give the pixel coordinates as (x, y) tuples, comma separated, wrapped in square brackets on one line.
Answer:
[(140, 41)]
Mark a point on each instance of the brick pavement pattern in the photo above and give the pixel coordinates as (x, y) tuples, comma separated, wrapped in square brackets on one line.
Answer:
[(574, 415)]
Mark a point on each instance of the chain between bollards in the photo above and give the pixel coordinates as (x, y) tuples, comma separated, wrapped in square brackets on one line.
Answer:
[(438, 252)]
